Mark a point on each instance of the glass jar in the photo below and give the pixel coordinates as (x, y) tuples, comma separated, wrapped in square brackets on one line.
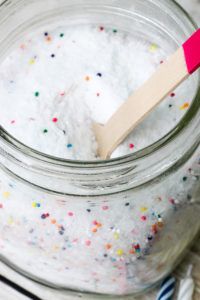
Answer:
[(113, 227)]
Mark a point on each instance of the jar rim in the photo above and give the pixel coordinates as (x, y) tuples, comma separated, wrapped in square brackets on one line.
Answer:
[(133, 157)]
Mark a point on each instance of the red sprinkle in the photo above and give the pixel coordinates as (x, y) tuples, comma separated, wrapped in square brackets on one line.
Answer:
[(1, 205), (101, 28), (70, 214), (143, 218), (55, 120), (62, 94), (105, 207), (172, 95), (137, 246), (98, 94), (131, 146), (12, 122), (161, 62)]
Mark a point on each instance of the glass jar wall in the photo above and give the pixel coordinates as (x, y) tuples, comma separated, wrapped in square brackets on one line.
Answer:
[(112, 227)]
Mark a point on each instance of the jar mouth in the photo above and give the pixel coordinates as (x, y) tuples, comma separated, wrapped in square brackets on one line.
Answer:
[(133, 157)]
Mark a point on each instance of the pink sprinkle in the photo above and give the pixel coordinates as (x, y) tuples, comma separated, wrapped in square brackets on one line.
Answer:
[(161, 62), (95, 222), (88, 243), (98, 94), (70, 214), (101, 28), (55, 120), (143, 218), (1, 205), (172, 201), (75, 241), (131, 146), (62, 94), (12, 122), (172, 95), (105, 207)]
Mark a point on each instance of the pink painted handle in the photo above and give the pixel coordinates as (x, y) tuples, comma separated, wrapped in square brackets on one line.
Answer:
[(192, 52)]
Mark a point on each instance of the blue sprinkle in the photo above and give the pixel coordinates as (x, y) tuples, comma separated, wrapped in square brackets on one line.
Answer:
[(113, 259), (69, 145)]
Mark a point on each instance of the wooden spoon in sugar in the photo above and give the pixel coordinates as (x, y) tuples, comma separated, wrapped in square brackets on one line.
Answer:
[(169, 75)]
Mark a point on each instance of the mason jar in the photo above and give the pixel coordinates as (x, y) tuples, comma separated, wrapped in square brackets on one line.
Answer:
[(114, 227)]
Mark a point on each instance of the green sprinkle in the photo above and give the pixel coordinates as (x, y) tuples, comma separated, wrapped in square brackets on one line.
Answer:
[(61, 35), (45, 130), (37, 94), (114, 30)]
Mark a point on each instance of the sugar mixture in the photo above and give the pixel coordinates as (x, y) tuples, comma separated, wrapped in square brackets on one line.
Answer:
[(52, 87), (56, 83)]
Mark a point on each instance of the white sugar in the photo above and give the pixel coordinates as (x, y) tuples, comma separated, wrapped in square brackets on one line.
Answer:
[(81, 77)]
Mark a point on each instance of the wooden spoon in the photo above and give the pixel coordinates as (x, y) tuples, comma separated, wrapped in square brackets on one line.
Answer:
[(167, 77)]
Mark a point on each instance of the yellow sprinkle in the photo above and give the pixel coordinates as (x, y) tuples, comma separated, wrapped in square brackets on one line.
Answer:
[(56, 248), (34, 204), (185, 106), (10, 220), (31, 61), (6, 194), (160, 224), (120, 252), (116, 235), (143, 209), (153, 47)]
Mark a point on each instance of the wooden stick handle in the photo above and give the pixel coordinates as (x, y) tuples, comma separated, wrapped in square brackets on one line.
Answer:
[(167, 77)]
